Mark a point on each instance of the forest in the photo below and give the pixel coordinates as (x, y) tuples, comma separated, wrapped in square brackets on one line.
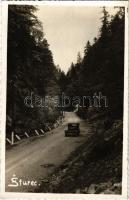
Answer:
[(31, 68), (101, 69)]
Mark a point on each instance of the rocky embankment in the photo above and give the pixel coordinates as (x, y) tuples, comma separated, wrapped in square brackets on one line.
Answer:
[(94, 168)]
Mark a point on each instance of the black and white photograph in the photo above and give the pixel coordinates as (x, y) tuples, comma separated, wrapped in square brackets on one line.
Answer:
[(65, 99)]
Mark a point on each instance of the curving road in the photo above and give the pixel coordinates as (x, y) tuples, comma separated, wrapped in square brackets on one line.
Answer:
[(35, 158)]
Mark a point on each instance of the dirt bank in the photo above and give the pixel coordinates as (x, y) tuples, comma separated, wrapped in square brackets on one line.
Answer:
[(95, 167)]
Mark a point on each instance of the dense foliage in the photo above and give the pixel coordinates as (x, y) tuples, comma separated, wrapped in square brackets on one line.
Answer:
[(31, 69), (102, 67)]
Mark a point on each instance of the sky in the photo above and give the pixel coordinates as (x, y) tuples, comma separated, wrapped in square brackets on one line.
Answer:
[(68, 28)]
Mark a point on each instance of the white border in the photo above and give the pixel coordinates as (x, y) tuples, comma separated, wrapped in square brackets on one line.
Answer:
[(4, 72)]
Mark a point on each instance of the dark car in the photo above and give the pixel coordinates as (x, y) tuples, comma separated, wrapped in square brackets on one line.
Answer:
[(73, 130)]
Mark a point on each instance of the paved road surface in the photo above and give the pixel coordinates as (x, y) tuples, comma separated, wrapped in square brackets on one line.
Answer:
[(35, 158)]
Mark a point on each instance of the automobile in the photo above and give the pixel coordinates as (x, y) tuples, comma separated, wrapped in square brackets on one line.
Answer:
[(72, 130)]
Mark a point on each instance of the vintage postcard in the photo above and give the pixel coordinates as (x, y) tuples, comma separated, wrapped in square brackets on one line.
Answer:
[(64, 83)]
